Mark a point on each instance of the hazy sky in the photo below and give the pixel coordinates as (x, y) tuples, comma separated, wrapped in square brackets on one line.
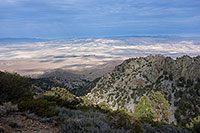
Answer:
[(91, 18)]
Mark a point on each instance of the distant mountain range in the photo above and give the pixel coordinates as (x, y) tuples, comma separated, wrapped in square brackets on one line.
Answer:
[(20, 40), (28, 40)]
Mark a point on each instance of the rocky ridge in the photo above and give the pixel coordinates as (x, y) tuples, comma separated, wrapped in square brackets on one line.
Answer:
[(178, 80)]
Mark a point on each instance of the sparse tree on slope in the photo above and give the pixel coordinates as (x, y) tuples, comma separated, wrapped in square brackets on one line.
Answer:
[(144, 110), (161, 106)]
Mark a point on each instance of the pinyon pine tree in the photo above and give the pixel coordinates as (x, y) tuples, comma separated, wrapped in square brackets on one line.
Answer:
[(144, 110), (161, 107)]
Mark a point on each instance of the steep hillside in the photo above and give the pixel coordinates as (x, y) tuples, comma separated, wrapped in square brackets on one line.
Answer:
[(178, 80), (60, 78), (78, 82)]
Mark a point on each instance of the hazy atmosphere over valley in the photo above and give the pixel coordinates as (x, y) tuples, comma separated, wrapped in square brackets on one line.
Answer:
[(30, 58)]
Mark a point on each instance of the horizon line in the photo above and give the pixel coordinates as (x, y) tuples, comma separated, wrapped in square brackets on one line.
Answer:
[(109, 36)]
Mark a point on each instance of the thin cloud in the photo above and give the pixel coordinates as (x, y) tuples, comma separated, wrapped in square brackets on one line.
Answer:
[(36, 18)]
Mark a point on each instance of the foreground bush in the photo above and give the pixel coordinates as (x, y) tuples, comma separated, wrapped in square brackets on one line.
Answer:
[(79, 121), (39, 107), (126, 120), (61, 97), (6, 108), (13, 87)]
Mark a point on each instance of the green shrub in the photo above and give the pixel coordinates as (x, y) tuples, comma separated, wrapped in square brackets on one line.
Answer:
[(39, 107), (123, 119), (194, 125), (61, 97), (181, 82), (171, 77), (103, 107), (189, 83)]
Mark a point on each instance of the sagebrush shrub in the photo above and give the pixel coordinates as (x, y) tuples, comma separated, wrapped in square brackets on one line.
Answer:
[(6, 108)]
